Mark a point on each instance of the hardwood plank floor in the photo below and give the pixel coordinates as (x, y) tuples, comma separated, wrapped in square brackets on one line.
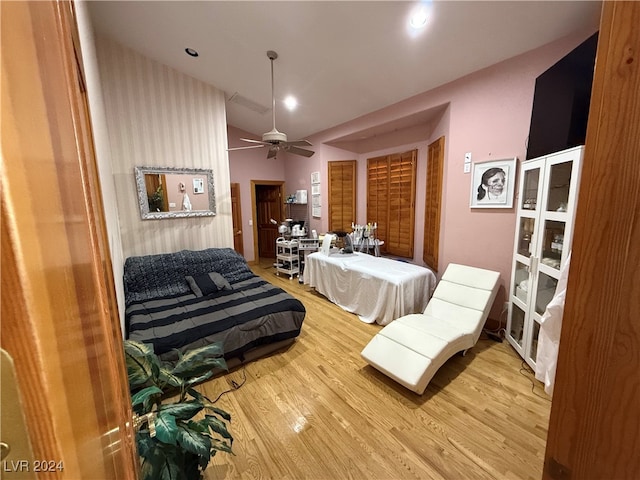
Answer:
[(317, 410)]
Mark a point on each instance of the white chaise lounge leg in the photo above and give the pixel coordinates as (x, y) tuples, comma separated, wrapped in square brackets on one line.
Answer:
[(412, 348)]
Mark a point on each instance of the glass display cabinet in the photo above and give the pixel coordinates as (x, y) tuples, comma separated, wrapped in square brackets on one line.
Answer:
[(544, 227)]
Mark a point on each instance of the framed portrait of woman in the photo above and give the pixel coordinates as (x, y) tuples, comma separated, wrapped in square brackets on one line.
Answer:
[(493, 183)]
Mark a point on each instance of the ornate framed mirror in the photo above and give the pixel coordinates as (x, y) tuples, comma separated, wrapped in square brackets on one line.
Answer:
[(168, 192)]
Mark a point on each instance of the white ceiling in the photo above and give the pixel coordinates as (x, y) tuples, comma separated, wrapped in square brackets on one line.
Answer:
[(340, 59)]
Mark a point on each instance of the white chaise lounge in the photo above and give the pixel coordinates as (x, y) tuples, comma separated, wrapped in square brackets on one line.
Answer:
[(412, 348)]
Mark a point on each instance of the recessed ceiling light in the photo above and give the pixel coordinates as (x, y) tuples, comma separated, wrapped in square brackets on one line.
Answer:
[(191, 51), (419, 17), (290, 102)]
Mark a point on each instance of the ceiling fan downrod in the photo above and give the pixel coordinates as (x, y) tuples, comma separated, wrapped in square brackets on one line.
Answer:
[(274, 136), (272, 56)]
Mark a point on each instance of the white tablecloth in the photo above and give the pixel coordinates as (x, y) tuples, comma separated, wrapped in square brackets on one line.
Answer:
[(377, 289)]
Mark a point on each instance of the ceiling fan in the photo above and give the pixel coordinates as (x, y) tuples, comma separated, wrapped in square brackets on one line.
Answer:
[(275, 140)]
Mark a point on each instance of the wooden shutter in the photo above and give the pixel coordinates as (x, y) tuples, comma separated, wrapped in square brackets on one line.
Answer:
[(402, 192), (378, 195), (342, 195), (391, 200), (433, 203)]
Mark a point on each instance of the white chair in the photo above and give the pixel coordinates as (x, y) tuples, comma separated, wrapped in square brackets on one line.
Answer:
[(412, 348)]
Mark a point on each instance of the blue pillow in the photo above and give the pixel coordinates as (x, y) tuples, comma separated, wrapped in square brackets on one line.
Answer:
[(207, 283)]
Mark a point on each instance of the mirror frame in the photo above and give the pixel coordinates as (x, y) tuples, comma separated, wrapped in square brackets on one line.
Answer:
[(143, 201)]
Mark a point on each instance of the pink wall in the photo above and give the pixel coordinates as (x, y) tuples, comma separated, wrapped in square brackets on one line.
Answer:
[(489, 114), (486, 113), (245, 166)]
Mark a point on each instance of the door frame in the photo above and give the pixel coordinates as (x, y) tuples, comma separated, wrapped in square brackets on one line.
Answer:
[(60, 322), (254, 213), (236, 212)]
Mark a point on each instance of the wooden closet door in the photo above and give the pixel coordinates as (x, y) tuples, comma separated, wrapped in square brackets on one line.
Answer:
[(391, 193), (60, 323), (402, 194), (342, 195), (378, 196), (433, 203)]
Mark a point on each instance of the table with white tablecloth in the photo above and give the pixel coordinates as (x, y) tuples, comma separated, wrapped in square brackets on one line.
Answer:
[(377, 289)]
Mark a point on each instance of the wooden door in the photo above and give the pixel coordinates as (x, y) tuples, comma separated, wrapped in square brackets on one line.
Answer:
[(269, 205), (59, 316), (433, 203), (236, 216), (342, 195), (594, 428)]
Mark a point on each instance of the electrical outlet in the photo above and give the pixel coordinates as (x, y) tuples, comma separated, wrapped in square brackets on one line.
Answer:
[(505, 307)]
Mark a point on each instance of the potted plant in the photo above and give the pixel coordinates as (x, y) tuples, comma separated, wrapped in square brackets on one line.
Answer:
[(171, 442), (156, 200)]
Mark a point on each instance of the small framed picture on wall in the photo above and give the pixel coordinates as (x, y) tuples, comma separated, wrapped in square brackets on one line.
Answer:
[(198, 185), (493, 183)]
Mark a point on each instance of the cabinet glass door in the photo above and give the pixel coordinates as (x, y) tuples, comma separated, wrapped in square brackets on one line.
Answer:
[(559, 187), (521, 282), (533, 343), (525, 235), (529, 193), (516, 331), (552, 243), (545, 290)]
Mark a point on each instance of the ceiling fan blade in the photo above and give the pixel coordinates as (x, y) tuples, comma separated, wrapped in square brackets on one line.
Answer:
[(254, 141), (299, 151), (244, 148), (300, 143)]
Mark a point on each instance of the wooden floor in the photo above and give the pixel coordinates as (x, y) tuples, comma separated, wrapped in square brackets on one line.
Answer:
[(316, 410)]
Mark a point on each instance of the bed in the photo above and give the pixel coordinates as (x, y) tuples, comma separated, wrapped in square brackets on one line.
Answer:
[(377, 289), (187, 299)]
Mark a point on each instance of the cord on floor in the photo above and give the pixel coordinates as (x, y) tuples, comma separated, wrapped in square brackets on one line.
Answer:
[(526, 372), (234, 385)]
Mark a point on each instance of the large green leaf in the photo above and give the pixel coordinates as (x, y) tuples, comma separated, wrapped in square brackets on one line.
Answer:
[(196, 426), (218, 426), (142, 363), (193, 441), (165, 376), (137, 349), (143, 394), (206, 365), (198, 396), (193, 360), (166, 428), (181, 411), (146, 444), (219, 412), (169, 470), (139, 370), (153, 459), (221, 445), (199, 379)]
